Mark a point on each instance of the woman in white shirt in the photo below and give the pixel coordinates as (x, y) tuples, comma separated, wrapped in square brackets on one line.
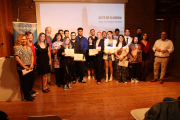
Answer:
[(109, 55), (121, 59)]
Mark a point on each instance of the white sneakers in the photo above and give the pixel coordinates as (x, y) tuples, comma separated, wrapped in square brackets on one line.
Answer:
[(106, 77), (134, 80), (111, 78), (89, 77), (65, 87)]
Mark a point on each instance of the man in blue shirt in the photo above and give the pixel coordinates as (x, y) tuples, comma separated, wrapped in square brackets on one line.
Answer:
[(84, 44)]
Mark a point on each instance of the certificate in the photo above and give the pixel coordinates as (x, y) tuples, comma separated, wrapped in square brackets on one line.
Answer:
[(116, 49), (69, 52), (123, 63), (111, 50), (78, 57), (92, 52), (24, 72)]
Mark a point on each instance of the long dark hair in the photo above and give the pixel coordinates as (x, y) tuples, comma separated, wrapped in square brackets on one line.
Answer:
[(91, 39), (55, 37), (143, 35), (133, 40), (123, 43)]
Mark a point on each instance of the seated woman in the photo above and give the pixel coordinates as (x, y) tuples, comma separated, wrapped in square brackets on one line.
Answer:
[(24, 57)]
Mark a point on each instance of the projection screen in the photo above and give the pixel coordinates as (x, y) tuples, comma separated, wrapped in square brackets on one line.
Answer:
[(70, 16)]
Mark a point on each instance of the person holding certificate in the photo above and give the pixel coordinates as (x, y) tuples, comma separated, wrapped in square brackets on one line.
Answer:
[(78, 65), (67, 62), (121, 59), (135, 59), (109, 45), (99, 44), (24, 57), (90, 58)]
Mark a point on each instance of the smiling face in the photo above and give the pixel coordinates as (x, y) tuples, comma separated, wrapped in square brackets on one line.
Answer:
[(145, 36), (90, 40), (135, 40), (163, 36), (23, 41), (30, 37), (67, 34), (67, 41), (127, 32), (92, 32), (80, 32), (73, 36), (121, 39), (58, 37), (42, 38), (99, 35), (109, 35), (104, 34), (48, 31)]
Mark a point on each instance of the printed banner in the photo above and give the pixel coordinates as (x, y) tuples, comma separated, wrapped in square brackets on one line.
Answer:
[(22, 27)]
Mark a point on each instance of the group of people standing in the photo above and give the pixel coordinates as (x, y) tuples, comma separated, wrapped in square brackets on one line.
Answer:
[(130, 55)]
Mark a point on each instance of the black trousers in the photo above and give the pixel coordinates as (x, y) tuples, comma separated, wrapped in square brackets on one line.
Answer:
[(135, 70), (68, 70), (98, 67), (26, 82), (59, 74), (80, 69)]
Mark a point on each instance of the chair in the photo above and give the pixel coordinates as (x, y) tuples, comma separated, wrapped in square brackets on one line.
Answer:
[(139, 114), (46, 117)]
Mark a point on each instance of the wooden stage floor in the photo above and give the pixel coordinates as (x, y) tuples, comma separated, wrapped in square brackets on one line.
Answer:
[(108, 101)]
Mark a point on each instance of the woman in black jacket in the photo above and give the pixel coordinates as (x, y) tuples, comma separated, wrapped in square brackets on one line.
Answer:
[(98, 63), (67, 62)]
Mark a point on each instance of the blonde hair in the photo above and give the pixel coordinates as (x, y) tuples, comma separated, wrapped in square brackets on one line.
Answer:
[(64, 43), (45, 43), (18, 40)]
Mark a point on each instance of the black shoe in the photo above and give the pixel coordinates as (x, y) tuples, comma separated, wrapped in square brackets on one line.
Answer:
[(59, 85), (46, 90), (28, 99), (144, 79)]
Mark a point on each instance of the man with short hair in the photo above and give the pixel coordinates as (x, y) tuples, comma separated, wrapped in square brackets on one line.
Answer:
[(66, 34), (84, 45), (61, 32), (78, 66), (92, 32), (117, 31), (139, 33), (49, 41), (104, 35), (127, 37), (162, 48)]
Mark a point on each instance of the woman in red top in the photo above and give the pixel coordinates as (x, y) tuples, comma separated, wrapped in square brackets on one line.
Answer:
[(31, 45), (145, 46)]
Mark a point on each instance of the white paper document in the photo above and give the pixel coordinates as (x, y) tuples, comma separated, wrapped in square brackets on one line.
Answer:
[(92, 52), (78, 57), (123, 63), (69, 52), (24, 72), (111, 50)]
